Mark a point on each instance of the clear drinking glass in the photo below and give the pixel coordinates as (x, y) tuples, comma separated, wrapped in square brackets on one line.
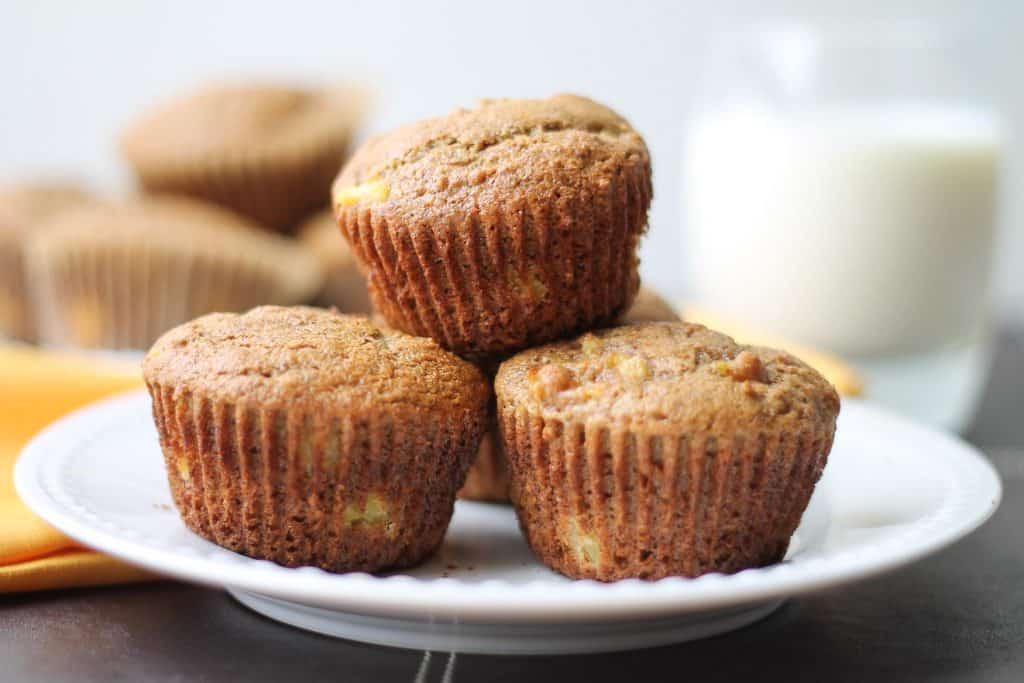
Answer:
[(840, 188)]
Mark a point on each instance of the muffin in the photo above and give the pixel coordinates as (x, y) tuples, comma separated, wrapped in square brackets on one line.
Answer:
[(499, 227), (119, 275), (308, 437), (487, 479), (23, 209), (267, 151), (661, 449), (344, 287)]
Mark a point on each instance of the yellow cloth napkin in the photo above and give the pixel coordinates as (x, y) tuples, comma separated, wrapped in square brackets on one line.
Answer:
[(37, 387)]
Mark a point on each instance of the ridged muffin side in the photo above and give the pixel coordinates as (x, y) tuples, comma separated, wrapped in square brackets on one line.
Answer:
[(500, 227), (306, 437), (661, 449)]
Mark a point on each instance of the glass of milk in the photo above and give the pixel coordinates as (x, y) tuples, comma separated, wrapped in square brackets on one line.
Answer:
[(840, 188)]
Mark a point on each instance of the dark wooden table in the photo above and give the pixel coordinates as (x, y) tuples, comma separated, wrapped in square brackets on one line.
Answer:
[(957, 616)]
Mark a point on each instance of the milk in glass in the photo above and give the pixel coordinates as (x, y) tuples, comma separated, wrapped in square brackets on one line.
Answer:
[(867, 231)]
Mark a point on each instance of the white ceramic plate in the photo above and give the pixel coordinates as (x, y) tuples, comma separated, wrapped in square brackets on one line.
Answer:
[(892, 493)]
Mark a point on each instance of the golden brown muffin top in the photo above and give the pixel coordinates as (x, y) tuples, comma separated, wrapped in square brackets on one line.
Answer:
[(283, 356), (321, 234), (648, 307), (495, 153), (242, 119), (178, 225), (667, 377), (24, 207)]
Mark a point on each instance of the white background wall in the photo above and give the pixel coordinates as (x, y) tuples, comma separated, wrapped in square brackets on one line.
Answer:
[(72, 73)]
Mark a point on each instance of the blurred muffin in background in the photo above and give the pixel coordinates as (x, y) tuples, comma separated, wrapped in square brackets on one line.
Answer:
[(344, 286), (267, 151), (22, 209), (649, 307), (118, 275)]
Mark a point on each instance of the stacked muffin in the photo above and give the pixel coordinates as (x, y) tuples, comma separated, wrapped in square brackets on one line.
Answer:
[(506, 233), (500, 227)]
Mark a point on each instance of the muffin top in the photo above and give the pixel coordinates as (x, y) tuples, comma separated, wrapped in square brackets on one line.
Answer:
[(667, 377), (24, 207), (182, 226), (321, 234), (498, 152), (242, 119), (282, 356)]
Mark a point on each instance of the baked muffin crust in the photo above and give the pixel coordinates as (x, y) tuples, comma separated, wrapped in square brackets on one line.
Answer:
[(499, 227), (283, 356), (662, 449), (498, 151), (307, 437), (667, 377)]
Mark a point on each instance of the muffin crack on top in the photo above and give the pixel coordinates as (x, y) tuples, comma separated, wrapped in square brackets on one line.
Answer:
[(478, 145), (296, 354), (462, 138)]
